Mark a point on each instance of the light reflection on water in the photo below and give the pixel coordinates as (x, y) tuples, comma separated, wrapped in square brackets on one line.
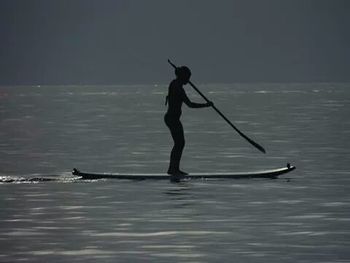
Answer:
[(250, 220), (303, 216)]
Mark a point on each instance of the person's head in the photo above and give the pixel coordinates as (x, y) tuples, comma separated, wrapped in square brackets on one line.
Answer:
[(183, 74)]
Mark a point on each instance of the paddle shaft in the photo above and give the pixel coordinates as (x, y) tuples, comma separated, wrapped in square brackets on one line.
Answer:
[(256, 145)]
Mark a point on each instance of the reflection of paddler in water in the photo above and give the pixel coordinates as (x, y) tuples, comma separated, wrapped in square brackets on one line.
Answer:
[(176, 96)]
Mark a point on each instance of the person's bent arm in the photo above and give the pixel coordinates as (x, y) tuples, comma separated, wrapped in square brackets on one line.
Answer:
[(194, 104)]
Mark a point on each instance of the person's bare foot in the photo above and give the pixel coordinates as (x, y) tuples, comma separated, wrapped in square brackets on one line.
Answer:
[(177, 172)]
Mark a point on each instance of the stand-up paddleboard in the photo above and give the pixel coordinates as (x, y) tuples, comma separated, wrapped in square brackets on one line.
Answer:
[(156, 176)]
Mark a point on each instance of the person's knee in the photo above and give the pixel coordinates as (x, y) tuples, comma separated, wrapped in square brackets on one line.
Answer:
[(181, 144)]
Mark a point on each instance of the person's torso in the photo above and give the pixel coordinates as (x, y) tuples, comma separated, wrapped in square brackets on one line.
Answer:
[(175, 98)]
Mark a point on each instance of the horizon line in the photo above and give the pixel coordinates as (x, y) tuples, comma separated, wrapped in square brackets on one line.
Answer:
[(162, 84)]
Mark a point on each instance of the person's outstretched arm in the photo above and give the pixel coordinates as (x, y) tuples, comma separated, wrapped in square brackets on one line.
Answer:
[(191, 104)]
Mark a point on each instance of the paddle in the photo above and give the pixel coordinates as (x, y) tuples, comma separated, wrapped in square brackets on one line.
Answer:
[(256, 145)]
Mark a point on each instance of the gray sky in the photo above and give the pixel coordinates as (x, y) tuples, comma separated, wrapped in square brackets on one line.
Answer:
[(115, 42)]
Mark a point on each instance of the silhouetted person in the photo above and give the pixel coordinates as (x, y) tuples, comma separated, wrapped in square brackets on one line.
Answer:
[(176, 96)]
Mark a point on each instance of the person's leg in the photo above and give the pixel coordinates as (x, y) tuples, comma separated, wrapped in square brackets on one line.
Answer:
[(177, 134)]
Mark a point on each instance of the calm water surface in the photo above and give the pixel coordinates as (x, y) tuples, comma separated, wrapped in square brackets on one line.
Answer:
[(302, 217)]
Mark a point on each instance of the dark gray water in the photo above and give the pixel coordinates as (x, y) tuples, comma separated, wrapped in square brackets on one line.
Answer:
[(302, 217)]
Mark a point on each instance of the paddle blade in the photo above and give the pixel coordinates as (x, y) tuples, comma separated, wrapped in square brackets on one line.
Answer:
[(258, 146)]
